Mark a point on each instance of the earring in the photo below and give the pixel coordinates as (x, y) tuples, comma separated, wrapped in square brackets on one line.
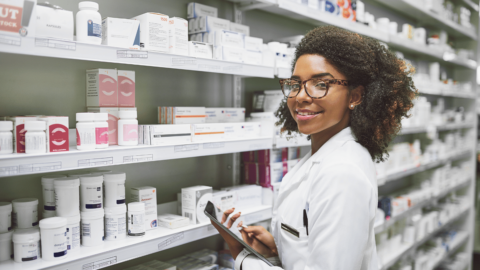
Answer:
[(351, 106)]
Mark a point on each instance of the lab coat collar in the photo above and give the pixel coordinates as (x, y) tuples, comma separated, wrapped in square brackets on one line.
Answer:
[(333, 143)]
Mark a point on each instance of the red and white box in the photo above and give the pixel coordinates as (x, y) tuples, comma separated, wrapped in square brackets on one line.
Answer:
[(126, 88), (19, 131), (266, 156), (102, 88), (17, 18), (57, 133), (112, 122), (265, 174)]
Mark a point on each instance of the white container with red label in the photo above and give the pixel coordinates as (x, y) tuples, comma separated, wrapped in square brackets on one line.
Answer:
[(57, 133), (85, 131), (101, 130), (128, 128)]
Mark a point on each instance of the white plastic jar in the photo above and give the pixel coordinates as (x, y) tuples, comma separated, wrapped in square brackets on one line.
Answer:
[(91, 194), (26, 245), (35, 137), (136, 219), (115, 222), (49, 192), (114, 188), (6, 246), (67, 196), (85, 131), (92, 227), (101, 130), (89, 23), (6, 137), (127, 128), (5, 217), (73, 233), (54, 238), (25, 213)]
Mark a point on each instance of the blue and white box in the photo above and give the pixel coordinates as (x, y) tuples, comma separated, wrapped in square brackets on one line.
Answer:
[(228, 38), (210, 24), (195, 10)]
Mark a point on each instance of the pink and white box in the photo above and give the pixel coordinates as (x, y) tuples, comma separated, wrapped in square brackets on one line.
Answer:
[(126, 88), (57, 133), (19, 131), (102, 88)]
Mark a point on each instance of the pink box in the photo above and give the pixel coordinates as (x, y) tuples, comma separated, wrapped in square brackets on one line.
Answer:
[(126, 88), (265, 174), (57, 133), (112, 122), (19, 131), (102, 88)]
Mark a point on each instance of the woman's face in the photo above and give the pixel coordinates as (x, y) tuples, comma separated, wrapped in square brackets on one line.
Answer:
[(316, 115)]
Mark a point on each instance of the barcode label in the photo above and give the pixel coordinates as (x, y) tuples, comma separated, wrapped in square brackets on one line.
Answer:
[(189, 215), (86, 230)]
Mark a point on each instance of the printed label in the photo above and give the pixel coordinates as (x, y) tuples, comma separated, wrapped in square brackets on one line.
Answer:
[(6, 144), (35, 143), (20, 139), (10, 18), (130, 132), (7, 222), (126, 92), (93, 197), (60, 244), (101, 134), (94, 29), (136, 225), (120, 194), (108, 91), (49, 198), (30, 252), (58, 138), (114, 227), (73, 237), (86, 136)]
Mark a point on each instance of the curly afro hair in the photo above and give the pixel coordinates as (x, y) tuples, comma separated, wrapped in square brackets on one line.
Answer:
[(389, 89)]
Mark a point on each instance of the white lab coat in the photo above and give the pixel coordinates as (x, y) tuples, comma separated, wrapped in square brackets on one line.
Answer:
[(337, 186)]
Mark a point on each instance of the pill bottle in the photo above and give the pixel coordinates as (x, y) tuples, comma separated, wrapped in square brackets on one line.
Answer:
[(92, 228), (73, 233), (53, 233), (115, 222), (114, 188), (85, 131), (136, 219), (6, 246), (91, 194), (25, 213), (89, 23), (127, 128), (26, 245), (35, 137), (5, 217), (6, 137), (67, 196), (49, 192), (101, 130), (47, 214)]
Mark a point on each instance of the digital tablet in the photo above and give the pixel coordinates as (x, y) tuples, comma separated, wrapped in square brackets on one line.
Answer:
[(211, 213)]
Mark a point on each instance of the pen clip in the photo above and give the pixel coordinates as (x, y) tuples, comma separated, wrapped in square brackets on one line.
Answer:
[(305, 220)]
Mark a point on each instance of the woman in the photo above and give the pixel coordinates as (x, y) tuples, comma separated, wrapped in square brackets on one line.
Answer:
[(349, 94)]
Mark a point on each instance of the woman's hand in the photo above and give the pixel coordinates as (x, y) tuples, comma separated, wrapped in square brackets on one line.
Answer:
[(234, 246), (259, 239)]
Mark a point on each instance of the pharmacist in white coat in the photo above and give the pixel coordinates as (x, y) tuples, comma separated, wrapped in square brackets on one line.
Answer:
[(349, 94)]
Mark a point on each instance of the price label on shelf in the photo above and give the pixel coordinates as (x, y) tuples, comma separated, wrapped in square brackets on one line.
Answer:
[(10, 40), (183, 61), (55, 44), (95, 162), (10, 170), (185, 148), (100, 264), (208, 67), (40, 167), (170, 240), (132, 54), (213, 145), (137, 158)]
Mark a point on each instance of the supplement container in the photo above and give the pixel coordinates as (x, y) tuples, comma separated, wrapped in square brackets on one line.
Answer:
[(115, 222), (48, 214), (127, 128), (54, 238), (101, 130), (114, 188), (67, 196), (92, 227), (26, 245), (136, 219), (25, 213), (6, 137), (91, 195), (49, 192), (5, 217), (85, 131), (89, 23), (6, 246), (35, 137), (73, 233)]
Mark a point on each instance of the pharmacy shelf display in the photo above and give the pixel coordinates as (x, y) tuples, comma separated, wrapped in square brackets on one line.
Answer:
[(456, 244), (446, 127)]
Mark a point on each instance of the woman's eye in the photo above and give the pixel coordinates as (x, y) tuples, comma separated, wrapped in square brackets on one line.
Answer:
[(295, 87)]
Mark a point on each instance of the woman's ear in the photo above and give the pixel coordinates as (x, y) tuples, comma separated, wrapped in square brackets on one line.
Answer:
[(356, 96)]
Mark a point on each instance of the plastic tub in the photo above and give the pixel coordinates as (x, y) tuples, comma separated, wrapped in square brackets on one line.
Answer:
[(67, 196), (49, 192), (91, 195), (6, 246), (54, 238), (5, 217), (136, 219), (73, 233), (114, 189), (115, 222), (25, 213), (26, 245), (92, 227)]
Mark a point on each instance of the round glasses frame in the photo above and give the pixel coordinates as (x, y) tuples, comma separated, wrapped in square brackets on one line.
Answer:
[(304, 83)]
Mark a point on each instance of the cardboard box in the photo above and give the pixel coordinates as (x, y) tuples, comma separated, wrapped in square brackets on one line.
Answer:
[(178, 36), (54, 23), (121, 33), (247, 195), (228, 54), (253, 44), (252, 58), (194, 200), (240, 28), (18, 19), (181, 115), (208, 132), (148, 196), (112, 122), (210, 24), (169, 134), (57, 133), (224, 200), (102, 88), (154, 31), (19, 131), (172, 221), (200, 49), (195, 10), (126, 88), (225, 115), (228, 38)]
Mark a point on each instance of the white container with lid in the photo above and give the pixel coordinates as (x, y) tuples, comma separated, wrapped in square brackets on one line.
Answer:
[(136, 219), (5, 217), (6, 137), (26, 245), (101, 130), (49, 192), (115, 222), (92, 227), (54, 238), (25, 213), (127, 128), (85, 131), (35, 137), (91, 194), (114, 188), (73, 233), (89, 23), (6, 246), (67, 196)]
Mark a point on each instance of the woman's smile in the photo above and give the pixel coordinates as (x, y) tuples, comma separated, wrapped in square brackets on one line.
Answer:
[(305, 115)]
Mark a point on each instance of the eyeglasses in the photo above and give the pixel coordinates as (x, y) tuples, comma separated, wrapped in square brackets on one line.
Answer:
[(315, 88)]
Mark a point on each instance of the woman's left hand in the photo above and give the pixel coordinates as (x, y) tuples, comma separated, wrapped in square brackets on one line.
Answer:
[(234, 246)]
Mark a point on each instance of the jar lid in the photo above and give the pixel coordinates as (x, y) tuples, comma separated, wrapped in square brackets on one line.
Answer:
[(92, 214), (100, 116), (5, 206), (26, 235), (85, 116), (6, 236), (119, 209), (67, 181), (136, 206), (101, 171), (73, 219), (6, 125), (35, 125), (91, 179), (25, 202), (114, 177), (127, 114), (49, 179), (78, 174), (53, 222), (88, 4)]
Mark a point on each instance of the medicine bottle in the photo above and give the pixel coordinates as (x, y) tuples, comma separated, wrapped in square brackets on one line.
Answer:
[(6, 247), (127, 128), (101, 130), (91, 194), (114, 188), (136, 219), (35, 138), (26, 245), (67, 196), (49, 193), (115, 222), (5, 217), (92, 227), (89, 23), (6, 137), (25, 213), (85, 131), (73, 233), (53, 233)]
